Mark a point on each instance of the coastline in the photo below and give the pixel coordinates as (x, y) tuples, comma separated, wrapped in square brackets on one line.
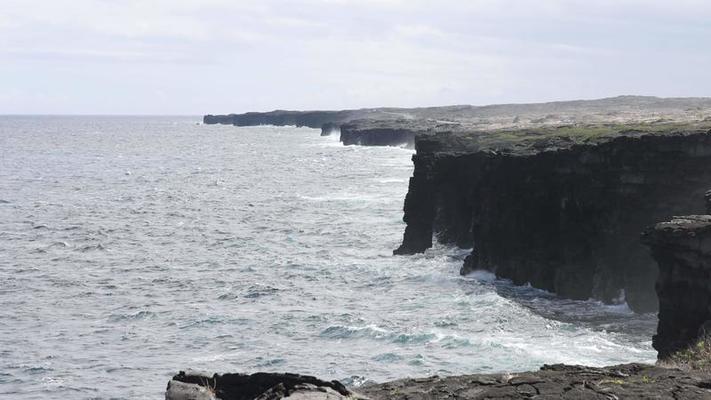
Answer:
[(556, 195)]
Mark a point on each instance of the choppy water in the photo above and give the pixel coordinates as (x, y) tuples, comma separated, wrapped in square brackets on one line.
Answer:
[(133, 247)]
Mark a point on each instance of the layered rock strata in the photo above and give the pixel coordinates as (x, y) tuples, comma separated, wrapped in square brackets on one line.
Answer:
[(682, 248), (631, 381), (559, 208)]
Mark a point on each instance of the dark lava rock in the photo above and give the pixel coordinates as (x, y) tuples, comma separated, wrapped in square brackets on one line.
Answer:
[(631, 381), (682, 248), (329, 128), (551, 194), (259, 386), (560, 208), (311, 119), (381, 133)]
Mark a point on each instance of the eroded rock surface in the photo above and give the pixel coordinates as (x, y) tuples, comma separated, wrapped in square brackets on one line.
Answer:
[(682, 248), (631, 381)]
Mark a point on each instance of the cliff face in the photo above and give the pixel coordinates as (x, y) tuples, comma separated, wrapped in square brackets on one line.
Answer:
[(311, 119), (377, 134), (553, 194), (682, 248), (560, 209)]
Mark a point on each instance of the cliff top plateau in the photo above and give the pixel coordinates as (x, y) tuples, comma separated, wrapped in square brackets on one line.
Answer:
[(518, 129)]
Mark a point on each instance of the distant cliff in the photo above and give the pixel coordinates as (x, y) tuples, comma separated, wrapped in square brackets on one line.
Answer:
[(311, 119), (398, 126)]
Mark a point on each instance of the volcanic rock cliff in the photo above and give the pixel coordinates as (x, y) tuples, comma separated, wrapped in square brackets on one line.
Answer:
[(682, 248), (311, 119), (551, 194), (559, 208)]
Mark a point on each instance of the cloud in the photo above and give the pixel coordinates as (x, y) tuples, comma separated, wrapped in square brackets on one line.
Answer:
[(244, 55)]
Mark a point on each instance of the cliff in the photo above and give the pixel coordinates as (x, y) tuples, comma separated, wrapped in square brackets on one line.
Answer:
[(609, 110), (682, 248), (631, 381), (551, 194), (560, 208), (311, 119)]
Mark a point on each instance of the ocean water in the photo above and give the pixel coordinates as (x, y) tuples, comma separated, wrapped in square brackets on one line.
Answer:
[(134, 247)]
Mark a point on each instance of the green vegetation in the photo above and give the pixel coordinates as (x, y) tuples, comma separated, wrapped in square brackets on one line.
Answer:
[(695, 357), (562, 136)]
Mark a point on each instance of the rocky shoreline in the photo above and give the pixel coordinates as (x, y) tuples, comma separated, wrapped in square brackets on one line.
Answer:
[(630, 381), (555, 195)]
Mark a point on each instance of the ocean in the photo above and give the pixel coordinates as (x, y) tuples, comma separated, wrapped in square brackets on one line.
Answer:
[(135, 247)]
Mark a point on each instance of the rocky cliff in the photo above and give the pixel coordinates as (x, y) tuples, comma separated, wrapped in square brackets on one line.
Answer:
[(398, 126), (311, 119), (551, 194), (560, 208), (682, 248)]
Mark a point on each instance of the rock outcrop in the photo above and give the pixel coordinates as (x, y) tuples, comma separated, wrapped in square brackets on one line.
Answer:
[(330, 128), (259, 386), (631, 381), (559, 208), (382, 133), (682, 248)]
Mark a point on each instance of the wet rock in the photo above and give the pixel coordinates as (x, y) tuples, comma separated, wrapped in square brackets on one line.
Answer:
[(258, 386), (188, 391), (330, 128), (379, 133)]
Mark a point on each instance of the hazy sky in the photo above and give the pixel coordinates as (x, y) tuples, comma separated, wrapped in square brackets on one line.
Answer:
[(218, 56)]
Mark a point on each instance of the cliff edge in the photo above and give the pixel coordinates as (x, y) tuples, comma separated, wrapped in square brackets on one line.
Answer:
[(560, 208)]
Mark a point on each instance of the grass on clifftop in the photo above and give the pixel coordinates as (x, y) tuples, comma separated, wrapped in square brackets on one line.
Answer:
[(582, 132), (562, 136), (696, 357)]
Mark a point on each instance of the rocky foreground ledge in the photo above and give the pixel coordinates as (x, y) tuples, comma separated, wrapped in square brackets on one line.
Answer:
[(631, 381)]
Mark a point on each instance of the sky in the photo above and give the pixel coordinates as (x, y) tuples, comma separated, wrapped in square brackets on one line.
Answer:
[(196, 57)]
